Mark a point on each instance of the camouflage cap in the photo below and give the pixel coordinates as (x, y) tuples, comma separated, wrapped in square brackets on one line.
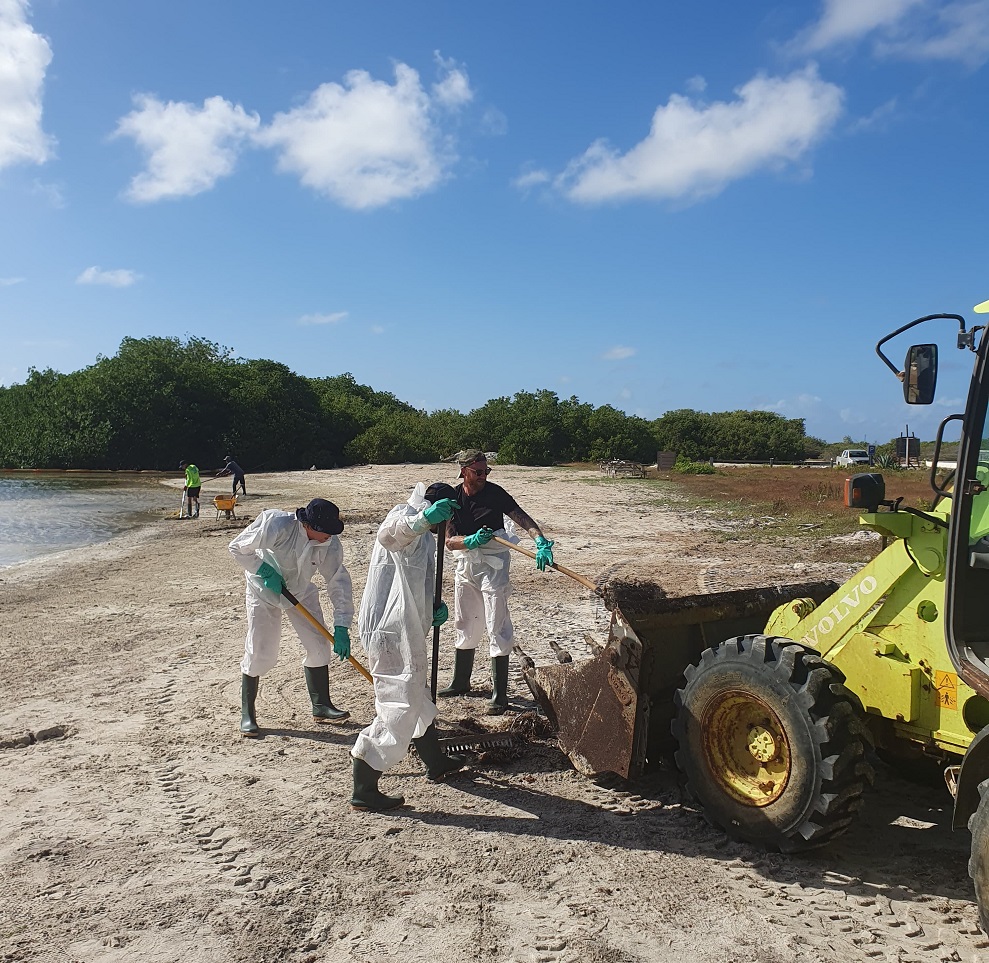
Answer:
[(470, 456)]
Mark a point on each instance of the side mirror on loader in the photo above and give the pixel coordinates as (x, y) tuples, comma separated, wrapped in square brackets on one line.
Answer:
[(920, 374), (865, 491)]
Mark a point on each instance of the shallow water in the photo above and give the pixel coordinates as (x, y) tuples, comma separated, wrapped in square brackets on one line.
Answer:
[(45, 512)]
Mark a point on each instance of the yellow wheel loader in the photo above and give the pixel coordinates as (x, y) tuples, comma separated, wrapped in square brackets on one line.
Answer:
[(770, 700)]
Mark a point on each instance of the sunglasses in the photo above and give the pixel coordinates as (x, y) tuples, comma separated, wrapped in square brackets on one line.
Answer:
[(480, 471)]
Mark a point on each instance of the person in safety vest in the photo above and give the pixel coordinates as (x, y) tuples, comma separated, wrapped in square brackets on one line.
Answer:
[(286, 549), (396, 614), (191, 489)]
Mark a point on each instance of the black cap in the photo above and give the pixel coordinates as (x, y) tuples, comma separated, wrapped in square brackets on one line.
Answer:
[(439, 490), (321, 516)]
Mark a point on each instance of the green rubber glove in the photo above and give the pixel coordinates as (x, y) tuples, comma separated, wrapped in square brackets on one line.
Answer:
[(478, 538), (440, 511), (544, 552), (271, 578), (341, 641), (440, 614)]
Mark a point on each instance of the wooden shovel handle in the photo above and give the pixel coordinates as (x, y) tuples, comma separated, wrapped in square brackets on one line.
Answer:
[(324, 631), (586, 582)]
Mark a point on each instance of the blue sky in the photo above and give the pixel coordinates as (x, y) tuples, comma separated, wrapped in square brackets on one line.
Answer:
[(713, 205)]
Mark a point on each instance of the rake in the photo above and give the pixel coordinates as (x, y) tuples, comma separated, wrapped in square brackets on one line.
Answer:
[(492, 740)]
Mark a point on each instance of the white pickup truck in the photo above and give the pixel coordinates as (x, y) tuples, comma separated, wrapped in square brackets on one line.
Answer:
[(852, 456)]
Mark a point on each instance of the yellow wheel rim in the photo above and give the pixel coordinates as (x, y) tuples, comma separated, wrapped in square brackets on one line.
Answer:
[(746, 748)]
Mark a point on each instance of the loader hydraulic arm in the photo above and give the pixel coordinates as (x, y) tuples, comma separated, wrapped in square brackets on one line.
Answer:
[(827, 627)]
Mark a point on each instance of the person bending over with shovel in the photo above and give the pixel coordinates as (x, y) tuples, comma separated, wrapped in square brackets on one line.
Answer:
[(481, 585), (285, 550), (396, 613), (230, 467), (193, 485)]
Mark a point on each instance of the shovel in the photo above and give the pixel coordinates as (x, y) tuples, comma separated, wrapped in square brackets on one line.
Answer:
[(586, 582), (323, 630)]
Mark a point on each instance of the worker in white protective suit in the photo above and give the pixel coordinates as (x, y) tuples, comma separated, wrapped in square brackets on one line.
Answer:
[(481, 581), (286, 549), (396, 614)]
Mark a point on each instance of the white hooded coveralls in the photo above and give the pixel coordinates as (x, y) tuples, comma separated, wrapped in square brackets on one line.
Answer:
[(279, 538), (480, 595), (394, 621)]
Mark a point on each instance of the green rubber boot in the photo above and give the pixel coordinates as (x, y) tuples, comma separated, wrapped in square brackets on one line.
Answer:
[(367, 797), (318, 684), (438, 764), (499, 686), (463, 666), (248, 714)]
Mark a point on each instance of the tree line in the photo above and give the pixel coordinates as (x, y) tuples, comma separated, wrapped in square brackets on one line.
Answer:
[(159, 401)]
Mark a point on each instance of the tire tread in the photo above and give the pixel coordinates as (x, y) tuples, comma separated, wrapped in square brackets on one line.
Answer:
[(842, 738)]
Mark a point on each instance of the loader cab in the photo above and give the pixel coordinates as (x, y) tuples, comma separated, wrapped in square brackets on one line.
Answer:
[(966, 577), (967, 564), (967, 561)]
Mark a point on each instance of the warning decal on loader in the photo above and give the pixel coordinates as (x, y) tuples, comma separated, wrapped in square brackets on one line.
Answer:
[(946, 684)]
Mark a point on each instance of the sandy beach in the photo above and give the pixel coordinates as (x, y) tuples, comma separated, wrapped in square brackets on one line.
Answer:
[(137, 824)]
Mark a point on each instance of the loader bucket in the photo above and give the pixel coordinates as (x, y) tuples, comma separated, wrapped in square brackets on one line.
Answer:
[(613, 711)]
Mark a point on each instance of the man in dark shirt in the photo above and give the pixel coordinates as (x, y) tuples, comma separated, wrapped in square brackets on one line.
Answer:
[(232, 468), (481, 583)]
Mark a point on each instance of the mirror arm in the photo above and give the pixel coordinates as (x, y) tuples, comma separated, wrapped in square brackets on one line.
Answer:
[(930, 317)]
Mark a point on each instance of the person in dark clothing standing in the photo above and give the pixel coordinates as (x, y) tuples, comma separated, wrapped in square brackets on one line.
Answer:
[(481, 580), (230, 467)]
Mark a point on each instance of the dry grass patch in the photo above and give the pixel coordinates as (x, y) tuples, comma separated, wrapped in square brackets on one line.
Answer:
[(789, 500)]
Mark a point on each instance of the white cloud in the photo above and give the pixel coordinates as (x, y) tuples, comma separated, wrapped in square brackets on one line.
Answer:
[(24, 58), (188, 148), (367, 143), (879, 119), (695, 150), (618, 353), (845, 21), (333, 318), (9, 282), (118, 278), (957, 31), (377, 329), (800, 406), (905, 29), (854, 416), (493, 122), (530, 179), (452, 90)]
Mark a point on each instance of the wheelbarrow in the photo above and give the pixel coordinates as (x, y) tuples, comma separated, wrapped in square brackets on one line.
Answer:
[(225, 504)]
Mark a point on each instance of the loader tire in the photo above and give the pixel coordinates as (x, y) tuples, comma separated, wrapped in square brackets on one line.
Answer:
[(771, 744), (978, 863)]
